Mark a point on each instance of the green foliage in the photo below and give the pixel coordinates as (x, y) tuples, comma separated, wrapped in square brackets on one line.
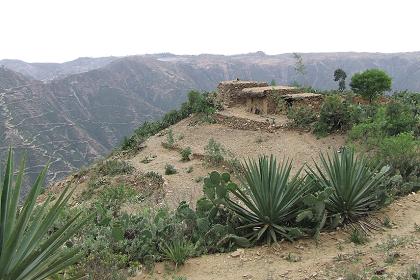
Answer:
[(177, 251), (200, 103), (214, 153), (358, 237), (155, 176), (370, 83), (170, 141), (340, 77), (185, 154), (301, 117), (356, 187), (402, 152), (170, 169), (30, 247), (268, 201), (115, 167), (399, 118), (299, 66), (112, 197), (335, 115)]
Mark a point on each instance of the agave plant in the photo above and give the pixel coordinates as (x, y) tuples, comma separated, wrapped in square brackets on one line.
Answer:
[(28, 248), (177, 251), (355, 186), (268, 200)]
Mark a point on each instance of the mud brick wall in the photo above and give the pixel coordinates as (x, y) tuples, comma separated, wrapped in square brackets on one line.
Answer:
[(230, 92)]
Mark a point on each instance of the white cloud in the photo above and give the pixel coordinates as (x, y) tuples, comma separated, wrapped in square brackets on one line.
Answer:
[(59, 30)]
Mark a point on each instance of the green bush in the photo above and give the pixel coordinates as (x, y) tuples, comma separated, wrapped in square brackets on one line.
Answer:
[(112, 197), (356, 188), (402, 152), (30, 246), (214, 153), (269, 200), (334, 116), (185, 154), (201, 103), (301, 117), (170, 141), (170, 169), (399, 118), (115, 167)]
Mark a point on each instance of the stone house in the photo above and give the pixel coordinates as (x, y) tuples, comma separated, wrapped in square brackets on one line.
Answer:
[(260, 98)]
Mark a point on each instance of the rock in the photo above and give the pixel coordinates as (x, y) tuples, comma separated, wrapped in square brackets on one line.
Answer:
[(237, 253), (380, 271)]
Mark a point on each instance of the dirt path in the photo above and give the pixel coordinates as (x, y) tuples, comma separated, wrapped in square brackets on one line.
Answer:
[(333, 258)]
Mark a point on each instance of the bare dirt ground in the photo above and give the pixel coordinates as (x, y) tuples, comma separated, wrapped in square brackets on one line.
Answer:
[(239, 144), (388, 254)]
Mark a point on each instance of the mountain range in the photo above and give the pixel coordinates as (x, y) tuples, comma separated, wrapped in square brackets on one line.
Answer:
[(75, 112)]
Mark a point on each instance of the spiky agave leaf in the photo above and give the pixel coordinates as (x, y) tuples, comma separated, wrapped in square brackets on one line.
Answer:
[(27, 250), (269, 199), (356, 187)]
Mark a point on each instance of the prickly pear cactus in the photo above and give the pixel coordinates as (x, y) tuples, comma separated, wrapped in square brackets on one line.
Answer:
[(215, 190)]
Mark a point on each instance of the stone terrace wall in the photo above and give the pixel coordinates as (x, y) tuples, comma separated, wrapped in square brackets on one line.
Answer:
[(230, 92)]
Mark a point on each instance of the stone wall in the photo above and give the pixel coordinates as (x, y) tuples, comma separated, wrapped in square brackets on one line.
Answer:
[(230, 92), (313, 101)]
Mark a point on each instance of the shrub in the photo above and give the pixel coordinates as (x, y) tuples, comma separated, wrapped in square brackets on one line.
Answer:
[(170, 169), (301, 116), (177, 251), (355, 187), (402, 152), (112, 197), (154, 176), (268, 201), (197, 103), (30, 247), (170, 141), (214, 152), (399, 118), (334, 115), (185, 154), (370, 83), (115, 167), (358, 237)]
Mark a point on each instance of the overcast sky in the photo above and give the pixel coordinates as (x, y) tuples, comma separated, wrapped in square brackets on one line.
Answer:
[(58, 30)]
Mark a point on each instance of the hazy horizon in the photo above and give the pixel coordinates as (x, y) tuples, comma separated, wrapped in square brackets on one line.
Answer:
[(58, 31), (215, 54)]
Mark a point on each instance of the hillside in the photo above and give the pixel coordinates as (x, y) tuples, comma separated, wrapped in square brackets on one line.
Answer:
[(10, 79), (84, 108), (135, 186)]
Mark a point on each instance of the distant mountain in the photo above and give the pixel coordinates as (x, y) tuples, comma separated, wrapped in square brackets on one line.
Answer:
[(9, 78), (49, 71), (85, 107)]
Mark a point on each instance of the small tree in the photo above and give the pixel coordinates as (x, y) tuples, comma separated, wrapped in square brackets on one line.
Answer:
[(370, 83), (340, 77), (299, 66)]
